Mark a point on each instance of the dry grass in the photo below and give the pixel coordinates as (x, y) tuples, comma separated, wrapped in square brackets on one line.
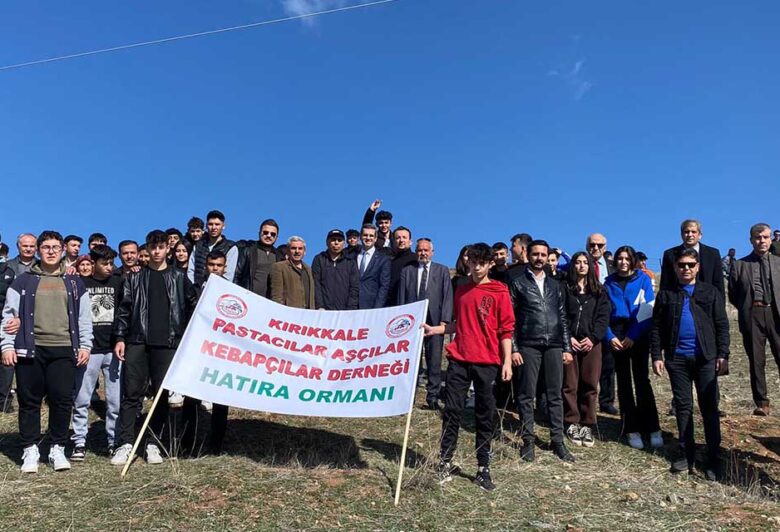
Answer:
[(314, 473)]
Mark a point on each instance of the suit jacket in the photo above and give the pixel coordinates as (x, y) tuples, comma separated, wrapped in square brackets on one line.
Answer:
[(287, 285), (438, 292), (710, 268), (375, 281), (741, 286)]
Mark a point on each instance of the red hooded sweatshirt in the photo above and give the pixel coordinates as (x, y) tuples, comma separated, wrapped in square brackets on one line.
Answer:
[(483, 317)]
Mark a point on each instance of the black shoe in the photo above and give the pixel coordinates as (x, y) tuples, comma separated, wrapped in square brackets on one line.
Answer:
[(78, 454), (483, 479), (432, 404), (560, 450), (679, 465), (445, 470), (527, 451), (712, 470), (610, 409)]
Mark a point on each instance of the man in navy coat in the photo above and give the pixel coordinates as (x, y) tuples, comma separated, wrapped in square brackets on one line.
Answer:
[(421, 280), (374, 270)]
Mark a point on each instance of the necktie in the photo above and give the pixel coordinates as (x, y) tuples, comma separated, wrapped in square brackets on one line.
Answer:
[(598, 270), (421, 293), (363, 263)]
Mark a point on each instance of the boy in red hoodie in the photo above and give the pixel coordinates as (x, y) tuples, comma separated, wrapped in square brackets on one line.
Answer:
[(483, 323)]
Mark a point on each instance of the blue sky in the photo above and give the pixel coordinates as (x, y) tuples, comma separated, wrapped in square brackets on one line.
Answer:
[(471, 120)]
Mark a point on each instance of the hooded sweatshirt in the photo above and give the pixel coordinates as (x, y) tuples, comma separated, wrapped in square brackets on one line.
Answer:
[(483, 317)]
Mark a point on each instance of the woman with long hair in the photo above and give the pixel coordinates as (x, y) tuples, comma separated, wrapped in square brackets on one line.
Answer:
[(181, 254), (587, 308), (631, 293), (462, 274)]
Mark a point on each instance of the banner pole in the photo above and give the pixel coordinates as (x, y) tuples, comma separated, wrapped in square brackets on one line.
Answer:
[(142, 432), (160, 391), (409, 414)]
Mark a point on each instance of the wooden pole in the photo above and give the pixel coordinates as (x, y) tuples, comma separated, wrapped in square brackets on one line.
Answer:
[(142, 432), (409, 415)]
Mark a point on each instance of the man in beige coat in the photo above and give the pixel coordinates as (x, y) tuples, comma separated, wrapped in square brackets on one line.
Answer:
[(292, 283)]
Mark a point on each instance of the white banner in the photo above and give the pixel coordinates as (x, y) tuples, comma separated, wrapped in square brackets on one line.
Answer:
[(243, 350)]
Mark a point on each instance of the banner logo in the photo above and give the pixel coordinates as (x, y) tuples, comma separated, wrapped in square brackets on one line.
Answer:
[(231, 306), (399, 326)]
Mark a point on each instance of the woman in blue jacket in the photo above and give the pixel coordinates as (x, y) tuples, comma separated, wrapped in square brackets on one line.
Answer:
[(631, 293)]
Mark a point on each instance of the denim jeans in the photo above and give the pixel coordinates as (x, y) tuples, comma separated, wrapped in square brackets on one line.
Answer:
[(86, 378)]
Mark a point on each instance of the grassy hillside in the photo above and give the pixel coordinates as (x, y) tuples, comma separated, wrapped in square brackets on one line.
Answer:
[(313, 473)]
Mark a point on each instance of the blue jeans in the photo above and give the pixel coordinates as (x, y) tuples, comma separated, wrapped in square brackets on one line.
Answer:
[(86, 378)]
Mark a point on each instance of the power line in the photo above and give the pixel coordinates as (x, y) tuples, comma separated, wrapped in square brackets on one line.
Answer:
[(192, 35)]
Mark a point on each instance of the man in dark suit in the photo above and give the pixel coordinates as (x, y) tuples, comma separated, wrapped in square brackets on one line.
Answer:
[(709, 259), (420, 280), (374, 270), (754, 288)]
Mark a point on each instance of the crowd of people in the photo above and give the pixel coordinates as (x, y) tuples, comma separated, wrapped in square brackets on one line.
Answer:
[(545, 332)]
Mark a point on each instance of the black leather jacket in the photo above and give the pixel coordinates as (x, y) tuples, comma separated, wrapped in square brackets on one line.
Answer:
[(709, 318), (541, 318), (132, 319)]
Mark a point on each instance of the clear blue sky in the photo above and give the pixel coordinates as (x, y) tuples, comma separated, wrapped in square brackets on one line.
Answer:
[(472, 120)]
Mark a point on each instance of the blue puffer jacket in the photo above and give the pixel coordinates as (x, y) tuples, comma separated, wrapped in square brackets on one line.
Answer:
[(634, 304)]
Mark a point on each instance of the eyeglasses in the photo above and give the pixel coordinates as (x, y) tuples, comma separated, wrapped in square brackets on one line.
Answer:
[(48, 249), (269, 233), (596, 245), (687, 265)]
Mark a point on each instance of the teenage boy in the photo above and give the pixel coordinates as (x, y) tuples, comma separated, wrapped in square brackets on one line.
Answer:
[(541, 341), (96, 239), (72, 250), (194, 230), (216, 263), (483, 323), (336, 277), (53, 339), (690, 340), (155, 306), (196, 271), (103, 289)]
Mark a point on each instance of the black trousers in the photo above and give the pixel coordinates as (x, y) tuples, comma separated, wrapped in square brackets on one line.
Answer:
[(6, 380), (607, 379), (632, 367), (764, 327), (433, 345), (51, 373), (142, 364), (460, 375), (219, 415), (551, 358), (685, 372)]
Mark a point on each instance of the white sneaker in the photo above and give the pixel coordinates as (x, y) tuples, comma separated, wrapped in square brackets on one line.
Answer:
[(207, 406), (30, 459), (57, 458), (635, 440), (656, 439), (121, 454), (153, 455), (175, 399)]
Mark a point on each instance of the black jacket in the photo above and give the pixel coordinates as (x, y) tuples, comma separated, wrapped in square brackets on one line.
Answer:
[(709, 318), (336, 283), (588, 314), (400, 260), (541, 318), (247, 264), (368, 218), (132, 319), (710, 268), (7, 276), (201, 251)]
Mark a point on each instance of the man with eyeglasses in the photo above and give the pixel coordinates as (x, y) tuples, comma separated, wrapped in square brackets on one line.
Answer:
[(709, 268), (754, 288), (596, 246), (255, 260), (690, 340)]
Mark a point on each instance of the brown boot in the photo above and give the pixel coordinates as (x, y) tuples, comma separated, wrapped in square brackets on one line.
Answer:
[(761, 410)]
